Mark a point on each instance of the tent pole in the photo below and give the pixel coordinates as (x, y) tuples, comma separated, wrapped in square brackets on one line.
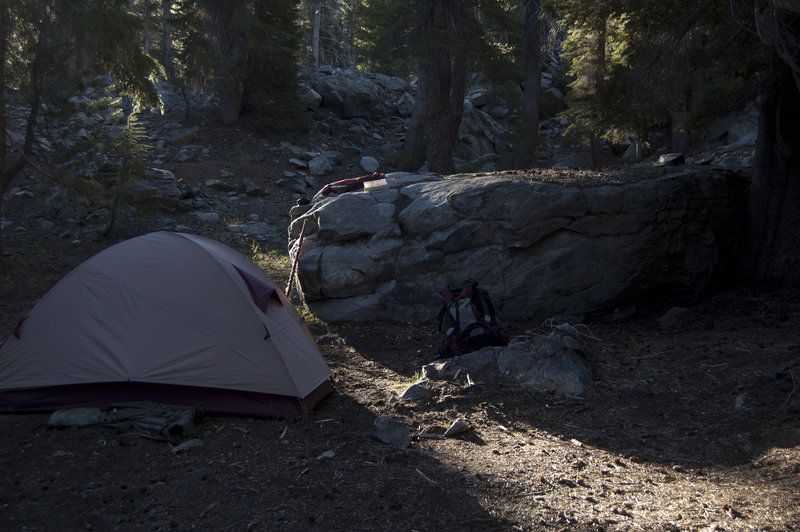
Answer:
[(296, 259)]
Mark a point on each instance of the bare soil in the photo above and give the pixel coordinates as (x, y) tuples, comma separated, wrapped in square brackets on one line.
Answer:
[(689, 428)]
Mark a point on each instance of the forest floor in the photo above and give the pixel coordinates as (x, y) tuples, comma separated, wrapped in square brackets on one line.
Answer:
[(696, 428)]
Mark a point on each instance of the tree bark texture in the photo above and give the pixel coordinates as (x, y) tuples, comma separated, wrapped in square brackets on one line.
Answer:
[(599, 74), (315, 32), (167, 52), (527, 140), (4, 181), (3, 140), (441, 87), (229, 48), (414, 145), (773, 240)]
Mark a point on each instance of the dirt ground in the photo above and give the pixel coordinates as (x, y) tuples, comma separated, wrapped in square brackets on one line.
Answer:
[(690, 428)]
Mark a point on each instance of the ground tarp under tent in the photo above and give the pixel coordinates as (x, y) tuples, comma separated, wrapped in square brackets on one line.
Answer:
[(166, 317)]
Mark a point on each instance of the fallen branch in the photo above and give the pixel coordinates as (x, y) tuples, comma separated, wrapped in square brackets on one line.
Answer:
[(428, 479), (431, 436)]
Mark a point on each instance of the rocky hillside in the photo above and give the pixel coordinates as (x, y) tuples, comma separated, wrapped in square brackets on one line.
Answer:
[(239, 185)]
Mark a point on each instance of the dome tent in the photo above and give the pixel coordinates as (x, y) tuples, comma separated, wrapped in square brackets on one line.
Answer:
[(166, 317)]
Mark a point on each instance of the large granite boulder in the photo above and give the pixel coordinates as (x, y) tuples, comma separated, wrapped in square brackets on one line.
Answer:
[(636, 241), (350, 93)]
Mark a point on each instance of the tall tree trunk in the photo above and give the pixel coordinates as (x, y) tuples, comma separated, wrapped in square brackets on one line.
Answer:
[(4, 182), (528, 137), (166, 39), (439, 97), (436, 98), (679, 138), (414, 145), (458, 89), (595, 149), (773, 242), (228, 44), (315, 32), (431, 124), (439, 104), (599, 74)]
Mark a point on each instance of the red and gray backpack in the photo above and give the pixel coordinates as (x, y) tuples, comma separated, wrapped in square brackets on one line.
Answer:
[(467, 321)]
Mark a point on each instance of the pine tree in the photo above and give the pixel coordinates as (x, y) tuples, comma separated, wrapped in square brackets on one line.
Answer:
[(449, 40), (384, 36), (328, 32), (273, 42), (49, 51), (130, 148), (596, 50), (645, 63), (245, 50), (528, 136)]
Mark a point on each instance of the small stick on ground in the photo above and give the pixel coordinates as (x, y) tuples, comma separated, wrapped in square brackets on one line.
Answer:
[(428, 479)]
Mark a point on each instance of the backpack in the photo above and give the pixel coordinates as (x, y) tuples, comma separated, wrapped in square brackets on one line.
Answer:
[(467, 321)]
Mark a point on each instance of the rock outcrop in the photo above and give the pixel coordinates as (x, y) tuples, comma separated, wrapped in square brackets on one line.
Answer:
[(646, 239)]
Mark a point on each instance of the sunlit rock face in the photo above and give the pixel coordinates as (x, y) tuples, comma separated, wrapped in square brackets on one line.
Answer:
[(625, 242)]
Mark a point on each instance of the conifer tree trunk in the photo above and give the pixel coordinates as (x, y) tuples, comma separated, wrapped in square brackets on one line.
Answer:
[(315, 32), (773, 242), (438, 126), (414, 145), (527, 140), (437, 97), (440, 89), (595, 143), (4, 181), (166, 39), (679, 112), (771, 250), (229, 47)]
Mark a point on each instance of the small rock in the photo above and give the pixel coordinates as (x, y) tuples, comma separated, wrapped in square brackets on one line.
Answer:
[(369, 164), (674, 318), (185, 446), (295, 185), (738, 402), (431, 371), (186, 154), (180, 137), (210, 217), (312, 99), (458, 426), (671, 159), (327, 455), (262, 228), (320, 165), (416, 391), (221, 186), (390, 431)]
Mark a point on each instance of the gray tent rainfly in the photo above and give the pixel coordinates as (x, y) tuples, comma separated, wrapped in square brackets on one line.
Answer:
[(167, 317)]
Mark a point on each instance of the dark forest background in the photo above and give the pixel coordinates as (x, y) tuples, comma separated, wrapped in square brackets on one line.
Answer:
[(632, 67)]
